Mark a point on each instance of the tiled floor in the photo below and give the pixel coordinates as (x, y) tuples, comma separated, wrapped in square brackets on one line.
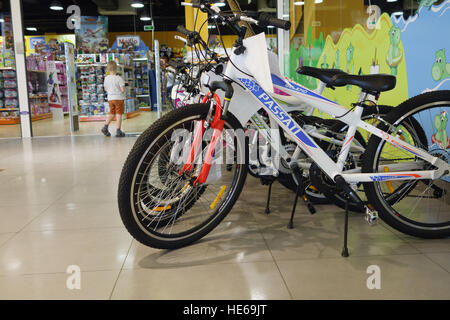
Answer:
[(58, 208), (52, 127)]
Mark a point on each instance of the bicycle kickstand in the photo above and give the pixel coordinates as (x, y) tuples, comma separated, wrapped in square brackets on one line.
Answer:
[(300, 192), (345, 248), (268, 198)]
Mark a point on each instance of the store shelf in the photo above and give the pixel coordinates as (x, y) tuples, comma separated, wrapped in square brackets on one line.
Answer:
[(103, 117), (143, 96), (37, 71), (41, 116), (42, 96), (9, 109), (133, 114), (9, 121), (93, 118)]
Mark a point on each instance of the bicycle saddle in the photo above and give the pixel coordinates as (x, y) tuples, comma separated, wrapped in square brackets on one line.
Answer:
[(372, 83), (324, 75)]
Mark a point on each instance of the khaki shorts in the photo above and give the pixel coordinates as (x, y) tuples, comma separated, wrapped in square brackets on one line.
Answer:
[(116, 106)]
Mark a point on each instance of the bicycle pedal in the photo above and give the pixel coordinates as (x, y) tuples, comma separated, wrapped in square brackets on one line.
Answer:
[(311, 208), (371, 217), (309, 205)]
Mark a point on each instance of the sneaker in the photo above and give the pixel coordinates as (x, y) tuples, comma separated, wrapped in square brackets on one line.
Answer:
[(120, 133), (105, 131)]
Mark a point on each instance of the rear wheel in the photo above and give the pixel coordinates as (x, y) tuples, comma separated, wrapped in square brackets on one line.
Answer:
[(162, 208), (419, 208)]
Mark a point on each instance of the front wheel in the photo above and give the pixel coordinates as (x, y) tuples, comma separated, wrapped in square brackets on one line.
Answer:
[(162, 207), (419, 208)]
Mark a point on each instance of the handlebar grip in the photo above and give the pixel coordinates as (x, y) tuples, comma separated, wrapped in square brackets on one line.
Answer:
[(184, 31), (266, 19)]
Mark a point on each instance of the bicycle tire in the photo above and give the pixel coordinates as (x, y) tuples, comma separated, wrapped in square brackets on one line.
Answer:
[(143, 145), (387, 213)]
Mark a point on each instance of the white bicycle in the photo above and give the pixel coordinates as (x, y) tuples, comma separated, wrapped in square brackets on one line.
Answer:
[(168, 203)]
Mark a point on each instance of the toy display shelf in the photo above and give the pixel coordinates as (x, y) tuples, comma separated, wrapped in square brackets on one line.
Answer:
[(127, 72), (8, 119), (142, 82)]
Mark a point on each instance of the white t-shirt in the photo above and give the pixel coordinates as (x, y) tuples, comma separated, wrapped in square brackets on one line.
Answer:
[(113, 85)]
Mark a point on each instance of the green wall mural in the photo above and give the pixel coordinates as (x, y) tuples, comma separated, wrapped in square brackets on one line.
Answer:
[(306, 56), (360, 52)]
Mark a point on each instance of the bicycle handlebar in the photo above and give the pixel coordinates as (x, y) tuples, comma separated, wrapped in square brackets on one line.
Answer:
[(184, 31), (266, 19)]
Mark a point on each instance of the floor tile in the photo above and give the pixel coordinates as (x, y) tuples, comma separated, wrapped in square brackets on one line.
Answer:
[(14, 218), (253, 280), (53, 251), (90, 194), (442, 259), (230, 242), (430, 245), (4, 237), (77, 216), (402, 277), (95, 285), (32, 195), (320, 237)]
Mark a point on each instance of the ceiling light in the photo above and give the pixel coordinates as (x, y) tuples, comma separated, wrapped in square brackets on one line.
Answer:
[(270, 27), (56, 5), (211, 27), (391, 0), (32, 29), (220, 4), (145, 17), (299, 3), (398, 13), (318, 1), (137, 4)]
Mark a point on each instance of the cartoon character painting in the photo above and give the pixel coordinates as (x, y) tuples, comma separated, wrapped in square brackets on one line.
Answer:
[(425, 3), (395, 53), (337, 64), (441, 69), (350, 63), (440, 137), (324, 64)]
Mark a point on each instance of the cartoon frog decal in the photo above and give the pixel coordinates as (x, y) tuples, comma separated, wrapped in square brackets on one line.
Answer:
[(441, 69), (440, 137), (338, 60), (324, 64), (395, 54)]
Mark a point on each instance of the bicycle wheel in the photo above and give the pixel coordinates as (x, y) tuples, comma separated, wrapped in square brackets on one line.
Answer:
[(162, 208), (419, 208)]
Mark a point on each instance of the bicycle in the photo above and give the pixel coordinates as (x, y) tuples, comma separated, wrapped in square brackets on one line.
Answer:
[(324, 131), (400, 172)]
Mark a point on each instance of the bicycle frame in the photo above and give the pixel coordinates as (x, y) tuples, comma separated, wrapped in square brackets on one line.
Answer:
[(352, 118)]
